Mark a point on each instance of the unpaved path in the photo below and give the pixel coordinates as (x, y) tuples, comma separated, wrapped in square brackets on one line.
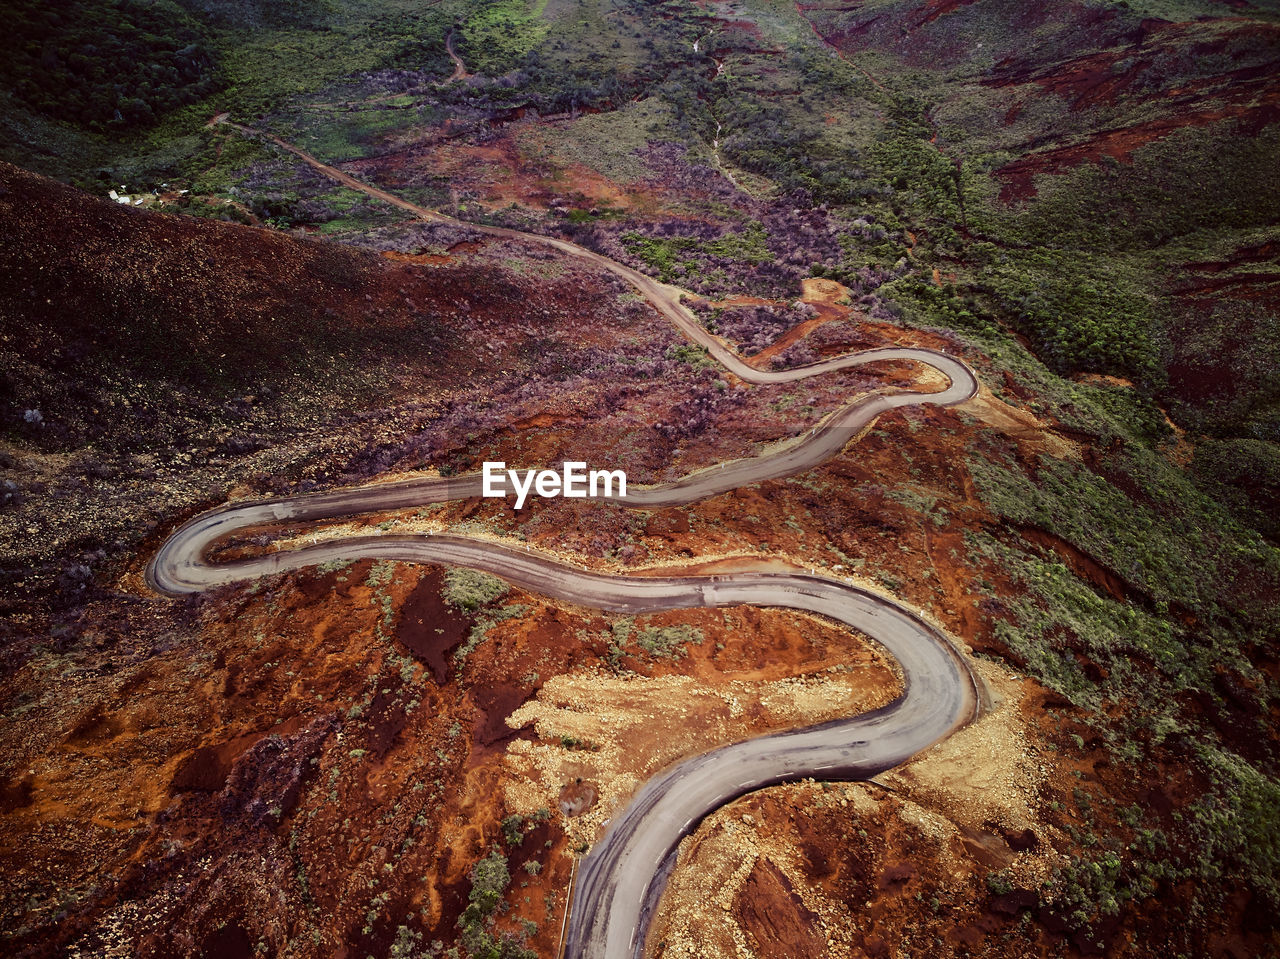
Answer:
[(459, 68)]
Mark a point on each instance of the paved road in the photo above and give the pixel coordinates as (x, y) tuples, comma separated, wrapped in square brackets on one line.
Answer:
[(620, 880), (615, 891)]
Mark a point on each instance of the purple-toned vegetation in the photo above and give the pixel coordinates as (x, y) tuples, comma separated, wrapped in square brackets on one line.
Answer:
[(416, 237), (798, 354), (741, 245), (432, 434), (752, 328), (704, 403)]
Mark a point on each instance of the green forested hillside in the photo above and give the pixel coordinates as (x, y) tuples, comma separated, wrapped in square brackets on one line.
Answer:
[(110, 65)]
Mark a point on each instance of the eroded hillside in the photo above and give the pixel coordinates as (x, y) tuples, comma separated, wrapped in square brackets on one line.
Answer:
[(389, 759)]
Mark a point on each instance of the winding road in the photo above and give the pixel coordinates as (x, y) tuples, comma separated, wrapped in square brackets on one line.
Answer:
[(620, 880)]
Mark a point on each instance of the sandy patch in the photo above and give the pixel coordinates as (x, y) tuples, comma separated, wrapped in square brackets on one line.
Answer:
[(1020, 426), (624, 729), (987, 772)]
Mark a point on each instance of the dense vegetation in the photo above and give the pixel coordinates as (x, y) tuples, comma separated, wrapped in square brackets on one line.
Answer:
[(1169, 669), (105, 66)]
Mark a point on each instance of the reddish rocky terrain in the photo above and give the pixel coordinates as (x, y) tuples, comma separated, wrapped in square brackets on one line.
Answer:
[(315, 763), (1100, 81)]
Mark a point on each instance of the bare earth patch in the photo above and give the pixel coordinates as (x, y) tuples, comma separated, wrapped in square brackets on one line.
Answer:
[(626, 728)]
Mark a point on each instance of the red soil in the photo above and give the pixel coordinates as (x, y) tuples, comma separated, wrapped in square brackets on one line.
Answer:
[(1018, 177), (938, 8)]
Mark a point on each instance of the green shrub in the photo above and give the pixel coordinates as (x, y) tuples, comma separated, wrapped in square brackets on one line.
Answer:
[(469, 589), (107, 65)]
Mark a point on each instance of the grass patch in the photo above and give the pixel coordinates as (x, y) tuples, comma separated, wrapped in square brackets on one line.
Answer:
[(469, 589), (497, 37)]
